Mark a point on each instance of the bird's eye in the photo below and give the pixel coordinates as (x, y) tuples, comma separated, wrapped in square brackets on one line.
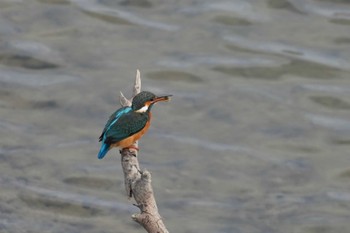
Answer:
[(152, 99)]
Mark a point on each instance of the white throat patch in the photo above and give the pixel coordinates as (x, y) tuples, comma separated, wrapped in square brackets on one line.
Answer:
[(143, 109)]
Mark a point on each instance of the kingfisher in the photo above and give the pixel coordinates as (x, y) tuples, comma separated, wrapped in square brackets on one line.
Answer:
[(128, 124)]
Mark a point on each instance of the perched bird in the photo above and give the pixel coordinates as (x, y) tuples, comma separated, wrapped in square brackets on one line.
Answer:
[(128, 124)]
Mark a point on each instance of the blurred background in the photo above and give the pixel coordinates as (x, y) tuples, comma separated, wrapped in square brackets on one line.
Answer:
[(255, 140)]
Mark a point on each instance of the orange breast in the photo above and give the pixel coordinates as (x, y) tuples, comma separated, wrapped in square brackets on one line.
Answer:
[(133, 138)]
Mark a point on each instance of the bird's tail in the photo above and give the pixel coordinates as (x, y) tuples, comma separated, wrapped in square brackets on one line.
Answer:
[(103, 151)]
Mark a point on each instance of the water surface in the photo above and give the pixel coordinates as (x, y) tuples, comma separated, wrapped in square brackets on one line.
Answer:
[(255, 140)]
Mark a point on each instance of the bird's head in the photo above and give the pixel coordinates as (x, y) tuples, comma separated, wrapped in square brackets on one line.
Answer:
[(144, 101)]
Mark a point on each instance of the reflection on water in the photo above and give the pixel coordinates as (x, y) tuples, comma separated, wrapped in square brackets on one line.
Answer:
[(325, 58), (255, 140), (106, 13), (33, 79)]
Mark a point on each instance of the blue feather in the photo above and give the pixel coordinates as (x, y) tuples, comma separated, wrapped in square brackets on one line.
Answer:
[(117, 115), (112, 120), (103, 151)]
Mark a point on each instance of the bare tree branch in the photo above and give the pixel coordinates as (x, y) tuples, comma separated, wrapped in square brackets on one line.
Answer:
[(123, 100), (137, 85), (138, 183)]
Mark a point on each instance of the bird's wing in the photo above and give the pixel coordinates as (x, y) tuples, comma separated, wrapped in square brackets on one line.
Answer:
[(114, 118), (125, 127)]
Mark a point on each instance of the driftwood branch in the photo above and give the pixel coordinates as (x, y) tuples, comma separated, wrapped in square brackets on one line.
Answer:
[(138, 182)]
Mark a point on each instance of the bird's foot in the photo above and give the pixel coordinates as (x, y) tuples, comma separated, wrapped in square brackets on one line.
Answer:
[(131, 147)]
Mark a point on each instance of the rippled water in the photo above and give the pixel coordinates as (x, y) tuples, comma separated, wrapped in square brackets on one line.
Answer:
[(256, 139)]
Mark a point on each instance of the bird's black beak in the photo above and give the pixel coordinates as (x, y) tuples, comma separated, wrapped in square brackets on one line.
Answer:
[(162, 98)]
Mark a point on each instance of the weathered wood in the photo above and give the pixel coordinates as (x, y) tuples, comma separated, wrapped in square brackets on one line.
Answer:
[(138, 183)]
